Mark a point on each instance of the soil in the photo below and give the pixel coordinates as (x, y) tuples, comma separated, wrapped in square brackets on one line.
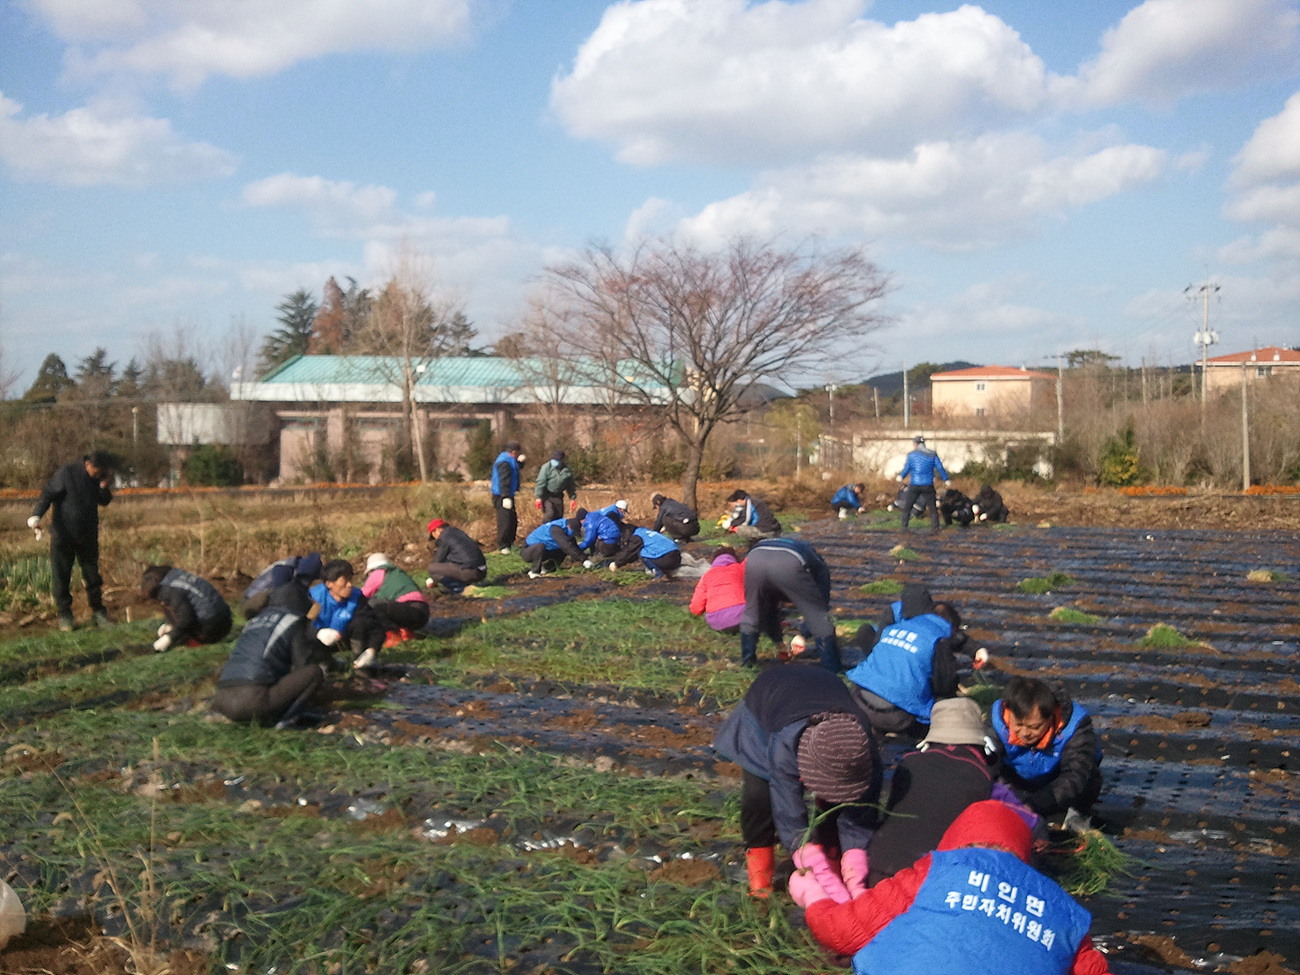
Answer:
[(1202, 743)]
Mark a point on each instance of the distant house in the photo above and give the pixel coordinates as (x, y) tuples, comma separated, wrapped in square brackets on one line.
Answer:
[(353, 405), (1224, 372), (991, 391)]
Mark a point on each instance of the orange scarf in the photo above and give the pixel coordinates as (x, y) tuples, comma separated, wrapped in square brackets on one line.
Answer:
[(1044, 743)]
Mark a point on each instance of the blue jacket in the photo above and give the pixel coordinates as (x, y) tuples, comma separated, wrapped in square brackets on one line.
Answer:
[(979, 908), (654, 545), (901, 664), (542, 534), (921, 466), (1035, 765), (334, 614), (505, 490), (598, 525), (846, 495), (611, 511)]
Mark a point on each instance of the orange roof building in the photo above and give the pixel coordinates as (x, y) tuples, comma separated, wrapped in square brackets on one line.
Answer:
[(992, 391), (1223, 372)]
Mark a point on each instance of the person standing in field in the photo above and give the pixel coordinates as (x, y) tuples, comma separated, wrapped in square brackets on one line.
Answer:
[(505, 485), (919, 469), (76, 492), (555, 480)]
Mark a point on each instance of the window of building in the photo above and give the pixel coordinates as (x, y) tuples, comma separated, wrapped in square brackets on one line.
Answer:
[(979, 411), (979, 387), (1262, 371)]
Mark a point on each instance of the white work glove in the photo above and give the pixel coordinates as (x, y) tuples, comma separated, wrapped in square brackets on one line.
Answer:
[(947, 484), (587, 563), (507, 503), (162, 643), (613, 567), (329, 637), (165, 629), (33, 521), (431, 582)]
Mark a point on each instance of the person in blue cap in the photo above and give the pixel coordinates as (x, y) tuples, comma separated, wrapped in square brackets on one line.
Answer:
[(919, 471)]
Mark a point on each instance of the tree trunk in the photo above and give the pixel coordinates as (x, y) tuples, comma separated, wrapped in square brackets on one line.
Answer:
[(691, 476)]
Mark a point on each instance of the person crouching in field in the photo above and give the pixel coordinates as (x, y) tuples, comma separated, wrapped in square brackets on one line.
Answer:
[(277, 663), (345, 614), (395, 599), (848, 500), (303, 569), (1052, 757), (720, 594), (975, 903), (194, 610)]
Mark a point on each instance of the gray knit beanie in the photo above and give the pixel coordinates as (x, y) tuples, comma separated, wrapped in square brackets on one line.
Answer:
[(836, 757)]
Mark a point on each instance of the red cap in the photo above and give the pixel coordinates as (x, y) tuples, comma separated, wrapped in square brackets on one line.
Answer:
[(989, 823), (436, 524)]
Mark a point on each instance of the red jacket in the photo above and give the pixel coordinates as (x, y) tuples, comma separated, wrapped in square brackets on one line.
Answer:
[(846, 928), (722, 587)]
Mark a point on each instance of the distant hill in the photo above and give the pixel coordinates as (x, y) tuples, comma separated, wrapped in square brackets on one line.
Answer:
[(889, 383)]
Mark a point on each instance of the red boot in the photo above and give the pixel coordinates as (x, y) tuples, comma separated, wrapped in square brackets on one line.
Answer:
[(760, 862)]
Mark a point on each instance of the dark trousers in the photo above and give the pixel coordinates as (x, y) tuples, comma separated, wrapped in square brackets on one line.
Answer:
[(63, 553), (411, 615), (925, 494), (457, 573), (681, 531), (540, 557), (365, 632), (267, 703), (214, 629), (774, 578), (757, 828), (507, 522), (552, 507)]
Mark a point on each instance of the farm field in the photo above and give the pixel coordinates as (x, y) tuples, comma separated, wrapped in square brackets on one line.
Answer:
[(531, 789)]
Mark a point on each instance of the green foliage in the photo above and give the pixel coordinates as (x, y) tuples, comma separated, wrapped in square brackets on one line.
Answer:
[(665, 464), (1162, 636), (1068, 614), (1038, 585), (903, 554), (212, 465), (52, 380), (1093, 862), (293, 337), (883, 587), (1120, 466), (481, 451), (25, 583), (594, 463)]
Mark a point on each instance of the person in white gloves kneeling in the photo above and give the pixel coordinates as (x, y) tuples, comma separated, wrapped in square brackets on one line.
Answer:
[(195, 612)]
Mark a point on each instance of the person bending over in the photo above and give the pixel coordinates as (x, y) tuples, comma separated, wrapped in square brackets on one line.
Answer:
[(194, 611)]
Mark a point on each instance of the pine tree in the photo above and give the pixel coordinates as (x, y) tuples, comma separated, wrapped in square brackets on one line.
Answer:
[(293, 338)]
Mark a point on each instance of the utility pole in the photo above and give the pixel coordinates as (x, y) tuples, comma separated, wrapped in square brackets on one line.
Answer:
[(1245, 434), (875, 400), (907, 400), (1204, 338), (1060, 401)]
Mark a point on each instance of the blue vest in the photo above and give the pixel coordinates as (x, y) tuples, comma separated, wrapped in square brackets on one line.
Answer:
[(599, 525), (542, 534), (901, 664), (653, 544), (611, 511), (497, 486), (334, 614), (1035, 764), (978, 909)]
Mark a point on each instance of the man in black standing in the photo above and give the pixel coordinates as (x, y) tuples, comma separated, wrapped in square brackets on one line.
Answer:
[(76, 491)]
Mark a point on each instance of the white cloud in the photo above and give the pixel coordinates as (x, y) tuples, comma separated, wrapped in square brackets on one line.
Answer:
[(336, 207), (96, 145), (1273, 152), (727, 81), (947, 195), (1281, 243), (190, 41), (1166, 49), (1276, 204)]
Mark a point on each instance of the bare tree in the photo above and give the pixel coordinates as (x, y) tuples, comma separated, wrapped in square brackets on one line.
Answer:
[(411, 324), (689, 331)]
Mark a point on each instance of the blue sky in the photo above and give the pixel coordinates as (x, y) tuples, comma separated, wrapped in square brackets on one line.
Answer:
[(1035, 177)]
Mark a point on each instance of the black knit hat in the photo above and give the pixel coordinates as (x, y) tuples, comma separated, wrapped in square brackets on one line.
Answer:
[(837, 757)]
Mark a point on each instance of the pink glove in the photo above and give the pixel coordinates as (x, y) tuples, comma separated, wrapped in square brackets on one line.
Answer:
[(804, 888), (812, 857), (853, 868)]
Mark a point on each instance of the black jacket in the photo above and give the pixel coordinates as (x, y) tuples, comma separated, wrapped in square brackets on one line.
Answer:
[(990, 504), (190, 602), (77, 498), (766, 520), (676, 512), (456, 547), (1077, 781), (272, 644)]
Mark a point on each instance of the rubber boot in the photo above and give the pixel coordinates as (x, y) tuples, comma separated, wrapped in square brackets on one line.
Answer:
[(749, 649), (828, 652), (760, 863)]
